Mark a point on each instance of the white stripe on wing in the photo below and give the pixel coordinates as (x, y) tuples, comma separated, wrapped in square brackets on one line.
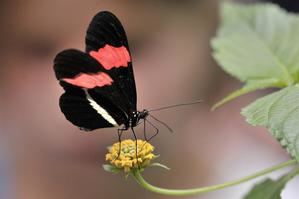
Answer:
[(100, 110)]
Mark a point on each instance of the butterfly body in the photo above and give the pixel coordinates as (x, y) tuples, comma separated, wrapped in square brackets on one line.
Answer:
[(99, 84)]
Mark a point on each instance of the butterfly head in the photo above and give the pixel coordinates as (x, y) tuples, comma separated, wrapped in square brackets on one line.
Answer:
[(136, 117), (142, 114)]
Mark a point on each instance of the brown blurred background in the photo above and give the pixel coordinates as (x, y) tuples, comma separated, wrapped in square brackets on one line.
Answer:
[(43, 156)]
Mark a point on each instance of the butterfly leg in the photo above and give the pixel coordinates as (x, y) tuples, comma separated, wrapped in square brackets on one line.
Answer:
[(144, 129), (136, 151), (119, 133), (157, 130), (144, 132)]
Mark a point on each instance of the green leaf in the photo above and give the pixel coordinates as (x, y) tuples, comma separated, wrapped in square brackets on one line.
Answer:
[(270, 189), (110, 168), (160, 165), (258, 43), (279, 113)]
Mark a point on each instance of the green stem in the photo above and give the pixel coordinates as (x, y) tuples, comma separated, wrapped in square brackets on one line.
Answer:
[(185, 192)]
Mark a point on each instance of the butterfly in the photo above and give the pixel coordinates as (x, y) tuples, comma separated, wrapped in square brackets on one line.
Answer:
[(99, 83)]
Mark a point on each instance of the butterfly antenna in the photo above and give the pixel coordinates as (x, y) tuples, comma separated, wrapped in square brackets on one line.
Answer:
[(163, 123), (176, 105)]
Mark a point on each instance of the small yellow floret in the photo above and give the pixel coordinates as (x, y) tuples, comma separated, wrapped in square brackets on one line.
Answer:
[(124, 156)]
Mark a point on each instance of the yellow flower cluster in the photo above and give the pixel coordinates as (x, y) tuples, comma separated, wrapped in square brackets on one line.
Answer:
[(124, 156)]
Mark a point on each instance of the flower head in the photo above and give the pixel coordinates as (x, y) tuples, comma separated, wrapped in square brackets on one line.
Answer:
[(123, 156)]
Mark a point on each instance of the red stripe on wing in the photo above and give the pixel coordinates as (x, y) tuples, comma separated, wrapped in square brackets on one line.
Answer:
[(110, 56), (90, 80)]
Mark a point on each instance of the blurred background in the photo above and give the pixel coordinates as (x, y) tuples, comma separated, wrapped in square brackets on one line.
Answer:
[(43, 156)]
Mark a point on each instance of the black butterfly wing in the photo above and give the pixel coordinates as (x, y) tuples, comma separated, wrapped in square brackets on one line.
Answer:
[(106, 41), (80, 75), (83, 111), (99, 84), (70, 63)]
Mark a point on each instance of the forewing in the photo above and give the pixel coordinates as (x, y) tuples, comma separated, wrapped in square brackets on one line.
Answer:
[(70, 63), (106, 42), (74, 68)]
